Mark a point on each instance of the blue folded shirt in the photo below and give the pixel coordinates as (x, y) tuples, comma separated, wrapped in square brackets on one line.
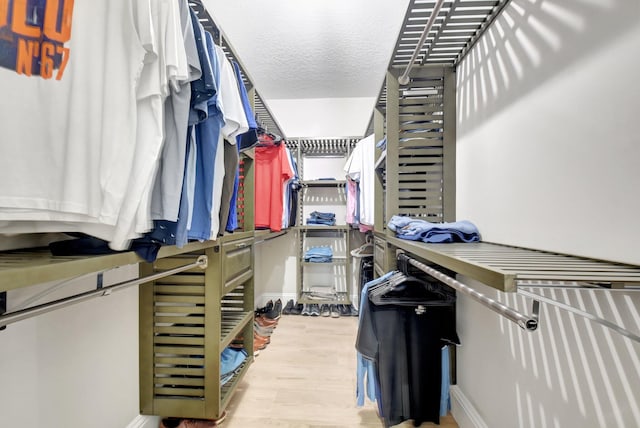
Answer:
[(230, 360), (319, 254), (421, 230)]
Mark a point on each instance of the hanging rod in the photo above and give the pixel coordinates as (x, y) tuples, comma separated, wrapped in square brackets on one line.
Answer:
[(581, 313), (404, 78), (529, 323), (33, 311)]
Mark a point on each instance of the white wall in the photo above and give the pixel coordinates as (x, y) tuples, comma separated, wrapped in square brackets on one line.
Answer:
[(323, 117), (74, 367), (548, 105)]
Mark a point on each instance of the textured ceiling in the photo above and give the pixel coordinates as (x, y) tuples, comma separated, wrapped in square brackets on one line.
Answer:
[(312, 49)]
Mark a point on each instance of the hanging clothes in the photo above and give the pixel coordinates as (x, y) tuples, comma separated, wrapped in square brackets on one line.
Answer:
[(359, 169), (228, 209), (74, 178), (156, 161), (290, 196), (272, 169), (403, 325), (207, 136), (165, 200)]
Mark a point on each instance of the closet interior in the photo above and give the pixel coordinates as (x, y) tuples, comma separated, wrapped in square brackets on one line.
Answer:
[(194, 301)]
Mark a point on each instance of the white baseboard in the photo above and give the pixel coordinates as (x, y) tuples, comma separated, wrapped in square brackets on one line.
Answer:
[(144, 421), (463, 411)]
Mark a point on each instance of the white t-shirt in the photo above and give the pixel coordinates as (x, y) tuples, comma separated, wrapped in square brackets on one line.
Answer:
[(163, 70), (360, 167), (68, 144)]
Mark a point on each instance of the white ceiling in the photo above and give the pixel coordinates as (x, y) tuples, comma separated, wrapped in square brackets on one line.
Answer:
[(299, 51)]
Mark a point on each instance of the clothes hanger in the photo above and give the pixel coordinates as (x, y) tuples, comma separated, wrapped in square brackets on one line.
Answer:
[(406, 290), (365, 250), (395, 277), (388, 285), (273, 140)]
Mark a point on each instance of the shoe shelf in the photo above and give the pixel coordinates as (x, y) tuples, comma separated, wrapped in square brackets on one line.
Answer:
[(338, 227), (232, 324), (340, 298), (336, 260), (227, 390), (186, 321)]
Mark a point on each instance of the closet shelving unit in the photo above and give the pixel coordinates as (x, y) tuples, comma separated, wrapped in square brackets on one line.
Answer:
[(334, 276), (416, 174), (188, 319)]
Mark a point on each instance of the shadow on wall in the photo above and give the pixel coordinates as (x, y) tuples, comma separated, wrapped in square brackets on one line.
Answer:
[(529, 42), (573, 372)]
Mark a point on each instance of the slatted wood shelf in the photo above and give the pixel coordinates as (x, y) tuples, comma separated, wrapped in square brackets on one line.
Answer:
[(340, 298), (22, 268), (502, 266)]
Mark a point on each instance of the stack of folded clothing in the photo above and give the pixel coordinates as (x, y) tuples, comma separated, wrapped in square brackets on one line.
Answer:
[(319, 254), (420, 230), (264, 323), (324, 219), (231, 360)]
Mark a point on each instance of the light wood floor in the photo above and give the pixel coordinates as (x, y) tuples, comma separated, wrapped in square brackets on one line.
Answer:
[(306, 379)]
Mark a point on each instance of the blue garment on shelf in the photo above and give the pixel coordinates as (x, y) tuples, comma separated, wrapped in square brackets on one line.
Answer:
[(319, 254), (231, 360), (321, 222), (421, 230), (323, 216), (320, 218)]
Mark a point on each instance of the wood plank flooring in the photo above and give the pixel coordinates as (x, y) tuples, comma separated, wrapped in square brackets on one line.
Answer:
[(305, 378)]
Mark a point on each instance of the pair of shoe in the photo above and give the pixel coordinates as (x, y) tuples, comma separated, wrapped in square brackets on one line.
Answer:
[(312, 309), (276, 311), (291, 308), (344, 310), (264, 321), (347, 310), (327, 310), (262, 330), (271, 310), (260, 342), (266, 308)]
